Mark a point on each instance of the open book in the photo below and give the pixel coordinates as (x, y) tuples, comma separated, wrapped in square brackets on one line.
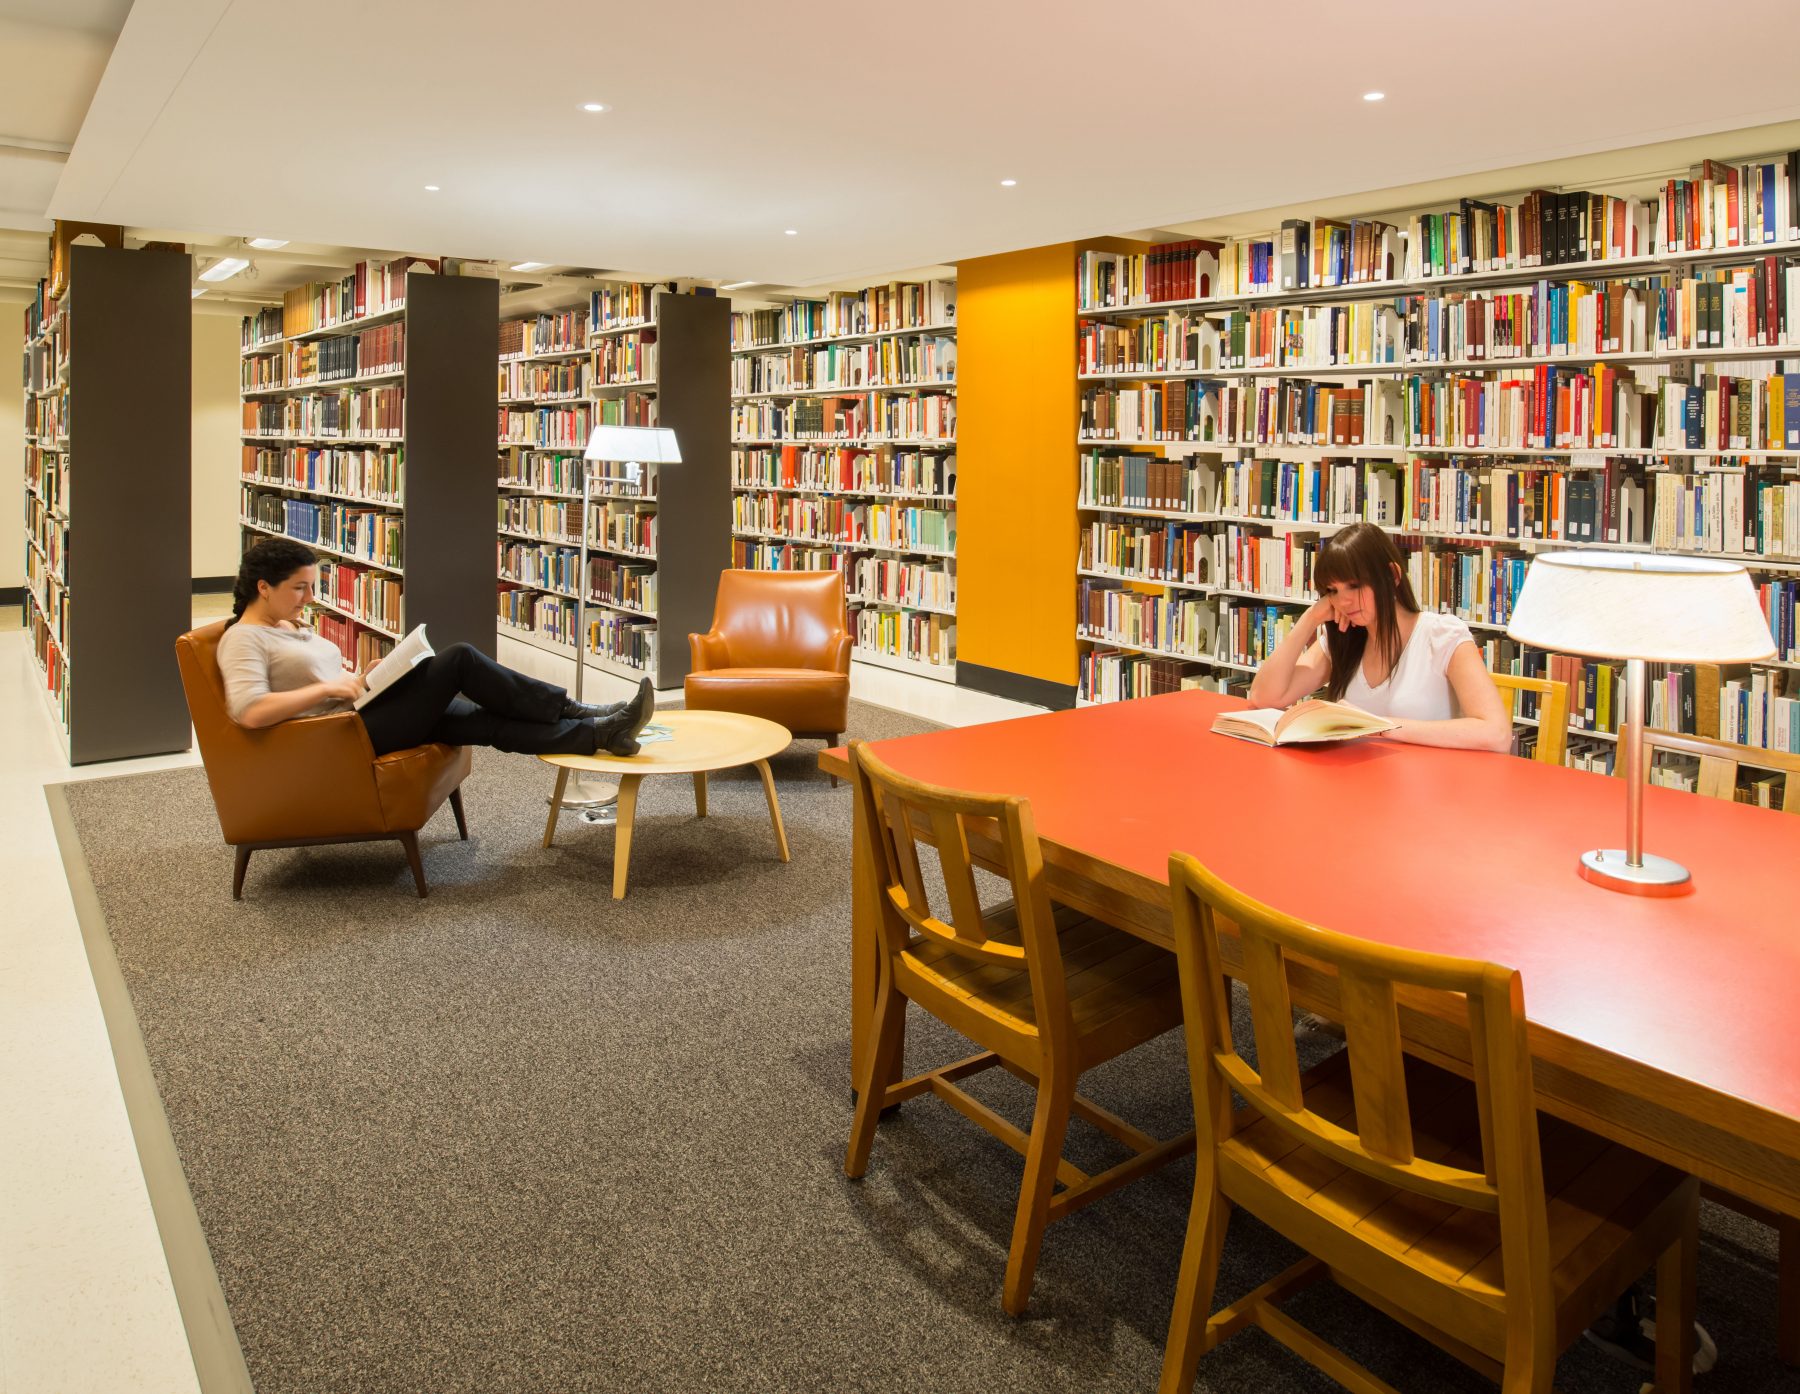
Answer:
[(406, 655), (1302, 723)]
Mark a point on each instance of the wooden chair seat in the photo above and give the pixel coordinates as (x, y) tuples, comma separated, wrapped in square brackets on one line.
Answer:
[(1427, 1251), (1122, 990)]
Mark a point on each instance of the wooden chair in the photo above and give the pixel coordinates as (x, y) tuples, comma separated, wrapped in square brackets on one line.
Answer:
[(1720, 762), (1553, 712), (1048, 994), (1452, 1207)]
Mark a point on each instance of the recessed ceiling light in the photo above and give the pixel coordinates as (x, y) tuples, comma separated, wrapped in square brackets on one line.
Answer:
[(1008, 183), (431, 188), (792, 232), (737, 285), (529, 265), (595, 106), (267, 244), (223, 269), (1373, 96)]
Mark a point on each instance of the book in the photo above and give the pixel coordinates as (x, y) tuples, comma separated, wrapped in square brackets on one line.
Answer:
[(406, 655), (1304, 723)]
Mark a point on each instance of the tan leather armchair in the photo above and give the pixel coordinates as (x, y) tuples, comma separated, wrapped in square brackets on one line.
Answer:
[(313, 780), (779, 647)]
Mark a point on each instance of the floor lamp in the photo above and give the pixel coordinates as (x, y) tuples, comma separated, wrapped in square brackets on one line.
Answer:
[(624, 451), (1643, 608)]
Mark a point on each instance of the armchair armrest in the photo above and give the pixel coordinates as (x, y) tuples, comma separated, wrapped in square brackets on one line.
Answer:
[(837, 656), (310, 777), (708, 651)]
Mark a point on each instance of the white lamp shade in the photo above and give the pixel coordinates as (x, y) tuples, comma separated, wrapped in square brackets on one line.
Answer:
[(1663, 609), (643, 445)]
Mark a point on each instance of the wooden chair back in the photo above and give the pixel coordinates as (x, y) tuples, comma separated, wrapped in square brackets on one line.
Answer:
[(898, 810), (1552, 712), (1379, 1142), (1720, 762)]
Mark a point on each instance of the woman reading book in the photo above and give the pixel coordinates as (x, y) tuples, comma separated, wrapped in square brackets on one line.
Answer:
[(1366, 642), (276, 669)]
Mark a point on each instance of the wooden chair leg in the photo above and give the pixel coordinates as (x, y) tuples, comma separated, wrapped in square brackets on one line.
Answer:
[(462, 823), (1049, 1125), (410, 841), (1208, 1218), (1675, 1301), (880, 1062), (1787, 1301), (237, 873)]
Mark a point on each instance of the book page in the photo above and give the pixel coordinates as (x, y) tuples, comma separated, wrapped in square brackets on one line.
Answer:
[(411, 651)]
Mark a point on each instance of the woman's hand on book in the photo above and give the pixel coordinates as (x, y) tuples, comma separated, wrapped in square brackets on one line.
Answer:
[(345, 689)]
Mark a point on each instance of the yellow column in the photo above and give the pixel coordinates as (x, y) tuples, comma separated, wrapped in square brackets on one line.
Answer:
[(1017, 410)]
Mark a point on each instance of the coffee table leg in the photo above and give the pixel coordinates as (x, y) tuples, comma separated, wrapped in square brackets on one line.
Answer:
[(768, 779), (628, 787), (562, 782), (700, 793)]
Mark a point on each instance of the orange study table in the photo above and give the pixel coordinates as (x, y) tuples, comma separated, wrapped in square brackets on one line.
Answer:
[(1667, 1024)]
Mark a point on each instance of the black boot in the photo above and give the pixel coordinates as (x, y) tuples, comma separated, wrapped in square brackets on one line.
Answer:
[(616, 732), (584, 711)]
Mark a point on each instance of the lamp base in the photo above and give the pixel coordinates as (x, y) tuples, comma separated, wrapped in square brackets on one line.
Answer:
[(593, 801), (1657, 876)]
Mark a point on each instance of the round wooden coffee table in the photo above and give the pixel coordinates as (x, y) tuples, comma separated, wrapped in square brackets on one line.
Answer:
[(703, 741)]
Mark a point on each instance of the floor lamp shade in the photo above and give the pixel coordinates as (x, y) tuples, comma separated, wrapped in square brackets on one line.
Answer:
[(1643, 608)]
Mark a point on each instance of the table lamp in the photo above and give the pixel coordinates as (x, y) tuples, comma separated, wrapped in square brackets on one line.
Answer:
[(631, 447), (1643, 608)]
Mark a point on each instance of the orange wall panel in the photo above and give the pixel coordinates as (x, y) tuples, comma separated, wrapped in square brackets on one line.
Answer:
[(1015, 480)]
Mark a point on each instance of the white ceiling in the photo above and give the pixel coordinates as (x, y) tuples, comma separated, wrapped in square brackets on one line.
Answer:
[(880, 133)]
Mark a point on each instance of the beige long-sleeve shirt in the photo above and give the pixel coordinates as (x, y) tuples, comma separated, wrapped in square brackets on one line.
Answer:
[(257, 659)]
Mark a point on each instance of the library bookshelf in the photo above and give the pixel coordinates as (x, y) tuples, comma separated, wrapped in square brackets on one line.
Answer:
[(844, 458), (636, 355), (365, 403), (1485, 381), (107, 500)]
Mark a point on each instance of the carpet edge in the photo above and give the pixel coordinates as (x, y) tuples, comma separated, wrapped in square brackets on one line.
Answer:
[(212, 1337)]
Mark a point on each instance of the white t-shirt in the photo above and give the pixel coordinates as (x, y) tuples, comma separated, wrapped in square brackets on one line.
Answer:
[(1418, 688)]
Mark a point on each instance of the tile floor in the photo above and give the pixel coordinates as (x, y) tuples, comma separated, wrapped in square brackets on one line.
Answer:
[(86, 1302)]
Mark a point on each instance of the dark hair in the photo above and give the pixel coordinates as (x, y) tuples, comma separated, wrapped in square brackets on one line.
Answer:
[(1363, 555), (273, 559)]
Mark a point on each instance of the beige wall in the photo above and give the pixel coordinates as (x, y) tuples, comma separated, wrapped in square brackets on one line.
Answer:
[(215, 446), (12, 444)]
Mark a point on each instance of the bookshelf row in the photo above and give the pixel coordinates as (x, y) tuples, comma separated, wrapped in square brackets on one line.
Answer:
[(844, 458), (635, 354), (1485, 383), (117, 474), (341, 386)]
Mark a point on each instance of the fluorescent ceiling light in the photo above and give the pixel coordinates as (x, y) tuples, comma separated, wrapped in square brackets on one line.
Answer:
[(1373, 96), (529, 265), (737, 285), (431, 188), (595, 106), (793, 232), (267, 244), (223, 269), (1008, 183)]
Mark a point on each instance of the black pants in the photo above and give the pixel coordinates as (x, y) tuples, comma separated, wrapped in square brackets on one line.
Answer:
[(509, 711)]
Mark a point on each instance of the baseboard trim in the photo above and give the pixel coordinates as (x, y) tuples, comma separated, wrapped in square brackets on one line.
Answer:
[(214, 585), (12, 595), (212, 1339), (1015, 687)]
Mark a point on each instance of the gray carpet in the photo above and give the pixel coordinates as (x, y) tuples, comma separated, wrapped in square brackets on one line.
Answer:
[(518, 1137)]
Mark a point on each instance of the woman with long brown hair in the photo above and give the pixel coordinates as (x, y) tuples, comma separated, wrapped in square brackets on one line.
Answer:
[(1366, 642)]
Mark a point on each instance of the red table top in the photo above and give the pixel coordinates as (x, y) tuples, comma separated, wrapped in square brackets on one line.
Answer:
[(1455, 852)]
